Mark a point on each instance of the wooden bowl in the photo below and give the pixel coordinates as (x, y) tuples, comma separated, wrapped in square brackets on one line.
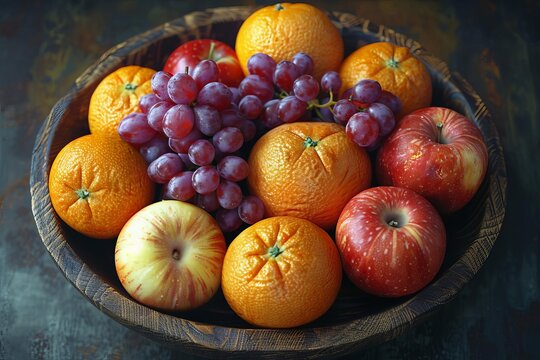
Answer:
[(356, 320)]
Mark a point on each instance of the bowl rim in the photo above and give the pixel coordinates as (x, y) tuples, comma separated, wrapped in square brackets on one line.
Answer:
[(357, 333)]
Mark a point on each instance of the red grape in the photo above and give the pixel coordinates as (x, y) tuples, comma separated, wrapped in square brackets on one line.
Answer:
[(233, 168), (205, 179), (390, 100), (258, 86), (207, 202), (201, 152), (291, 109), (182, 89), (306, 88), (165, 167), (262, 65), (156, 114), (134, 129), (147, 101), (181, 146), (228, 140), (156, 147), (248, 129), (362, 129), (251, 107), (216, 95), (366, 91), (384, 116), (228, 219), (343, 110), (251, 210), (285, 74), (178, 121), (331, 81), (205, 72), (229, 194), (159, 83), (207, 119), (304, 63), (180, 187), (270, 118)]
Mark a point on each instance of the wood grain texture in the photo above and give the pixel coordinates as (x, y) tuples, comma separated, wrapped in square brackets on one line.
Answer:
[(357, 320)]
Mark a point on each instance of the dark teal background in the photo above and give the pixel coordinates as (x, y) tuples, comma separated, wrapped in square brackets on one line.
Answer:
[(495, 45)]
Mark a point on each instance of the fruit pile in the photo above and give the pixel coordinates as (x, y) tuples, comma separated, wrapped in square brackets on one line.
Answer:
[(271, 148)]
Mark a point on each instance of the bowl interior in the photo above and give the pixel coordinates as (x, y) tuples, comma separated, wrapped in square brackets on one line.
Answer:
[(68, 120)]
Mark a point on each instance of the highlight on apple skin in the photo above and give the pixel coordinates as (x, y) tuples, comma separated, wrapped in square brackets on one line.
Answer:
[(169, 256), (438, 153), (392, 241)]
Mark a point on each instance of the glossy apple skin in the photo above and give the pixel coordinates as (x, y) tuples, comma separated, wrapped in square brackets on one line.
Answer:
[(385, 260), (169, 256), (192, 52), (447, 172)]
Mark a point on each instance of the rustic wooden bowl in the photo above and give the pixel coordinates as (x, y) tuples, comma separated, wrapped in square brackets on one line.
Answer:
[(356, 320)]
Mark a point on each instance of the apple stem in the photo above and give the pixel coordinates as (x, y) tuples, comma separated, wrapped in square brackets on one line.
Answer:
[(393, 223), (439, 132), (211, 51), (176, 254)]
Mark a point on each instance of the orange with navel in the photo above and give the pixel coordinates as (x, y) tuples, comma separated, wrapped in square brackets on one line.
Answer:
[(308, 170), (395, 68), (97, 182), (116, 96), (281, 272), (284, 29)]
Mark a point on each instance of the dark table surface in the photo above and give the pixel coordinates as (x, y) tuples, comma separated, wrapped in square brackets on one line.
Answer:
[(495, 45)]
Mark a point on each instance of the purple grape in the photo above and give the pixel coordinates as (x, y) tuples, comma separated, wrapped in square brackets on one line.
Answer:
[(230, 117), (156, 114), (182, 89), (384, 116), (178, 121), (250, 106), (262, 65), (251, 210), (306, 88), (229, 194), (147, 101), (205, 179), (248, 129), (156, 147), (207, 119), (362, 129), (181, 146), (207, 202), (343, 110), (258, 86), (347, 94), (165, 167), (304, 63), (391, 101), (366, 91), (331, 81), (291, 109), (205, 72), (285, 74), (228, 140), (236, 95), (233, 168), (216, 95), (270, 117), (201, 152), (180, 187), (135, 130), (159, 83), (228, 219)]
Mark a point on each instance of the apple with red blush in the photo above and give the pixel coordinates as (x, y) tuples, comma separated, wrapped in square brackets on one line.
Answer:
[(438, 153), (391, 240), (169, 256), (189, 54)]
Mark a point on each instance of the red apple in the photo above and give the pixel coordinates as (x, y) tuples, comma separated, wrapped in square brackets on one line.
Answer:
[(169, 256), (391, 240), (438, 153), (191, 53)]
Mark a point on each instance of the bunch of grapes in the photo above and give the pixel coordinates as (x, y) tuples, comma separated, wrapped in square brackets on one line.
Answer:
[(291, 93), (191, 131)]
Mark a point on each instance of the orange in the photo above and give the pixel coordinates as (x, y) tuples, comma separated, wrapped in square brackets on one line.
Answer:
[(116, 96), (282, 30), (281, 272), (97, 183), (308, 170), (395, 68)]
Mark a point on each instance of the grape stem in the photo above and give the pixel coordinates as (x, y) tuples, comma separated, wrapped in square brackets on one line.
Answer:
[(330, 102)]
